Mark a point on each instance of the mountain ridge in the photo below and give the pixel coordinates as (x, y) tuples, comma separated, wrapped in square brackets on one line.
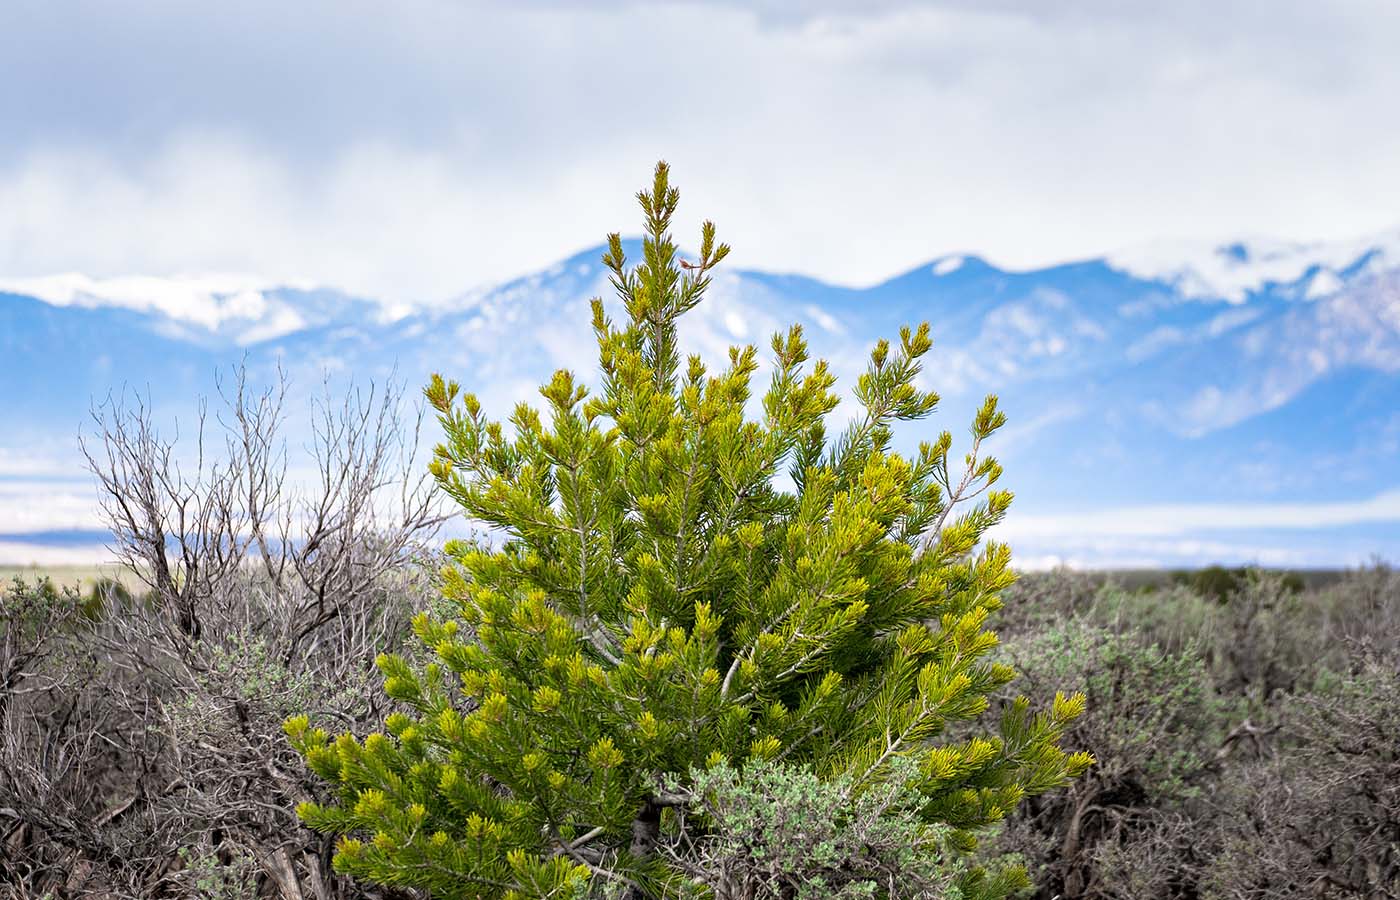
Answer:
[(1228, 271), (1123, 390)]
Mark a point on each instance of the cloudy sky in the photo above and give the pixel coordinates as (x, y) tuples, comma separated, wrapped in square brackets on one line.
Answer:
[(415, 149)]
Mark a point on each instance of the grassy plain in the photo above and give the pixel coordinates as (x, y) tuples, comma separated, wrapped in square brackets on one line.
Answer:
[(80, 577)]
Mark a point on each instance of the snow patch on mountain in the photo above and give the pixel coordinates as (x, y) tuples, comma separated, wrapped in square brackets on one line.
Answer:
[(1233, 272), (948, 265), (1323, 283), (826, 320), (204, 300)]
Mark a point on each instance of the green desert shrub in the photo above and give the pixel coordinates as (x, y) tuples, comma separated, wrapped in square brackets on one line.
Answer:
[(1174, 618), (1038, 600), (775, 831), (1319, 816), (1153, 724), (1245, 748)]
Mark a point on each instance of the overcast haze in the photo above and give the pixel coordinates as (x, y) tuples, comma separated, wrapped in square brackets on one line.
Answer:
[(415, 149)]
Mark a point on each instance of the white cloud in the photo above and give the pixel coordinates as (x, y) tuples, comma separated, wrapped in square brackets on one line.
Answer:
[(26, 463), (1185, 519), (37, 506), (1119, 554), (205, 300), (412, 153), (13, 553)]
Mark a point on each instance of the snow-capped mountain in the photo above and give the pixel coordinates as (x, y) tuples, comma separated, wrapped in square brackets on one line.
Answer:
[(212, 310), (1237, 271), (1167, 404)]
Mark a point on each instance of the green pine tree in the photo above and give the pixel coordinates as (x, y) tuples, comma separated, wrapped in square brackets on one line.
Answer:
[(680, 587)]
